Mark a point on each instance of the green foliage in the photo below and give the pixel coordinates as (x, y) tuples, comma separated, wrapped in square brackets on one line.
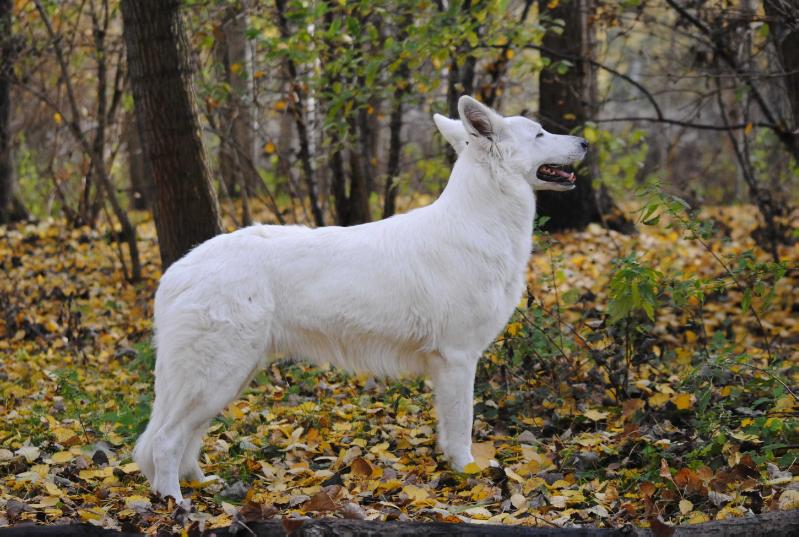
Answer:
[(620, 156), (633, 288)]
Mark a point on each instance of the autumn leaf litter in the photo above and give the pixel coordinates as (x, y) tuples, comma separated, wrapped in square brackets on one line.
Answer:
[(76, 379)]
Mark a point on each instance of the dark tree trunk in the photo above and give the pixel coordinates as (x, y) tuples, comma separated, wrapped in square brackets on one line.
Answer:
[(395, 138), (141, 179), (11, 208), (338, 184), (565, 103), (402, 84), (186, 209), (784, 24), (359, 189)]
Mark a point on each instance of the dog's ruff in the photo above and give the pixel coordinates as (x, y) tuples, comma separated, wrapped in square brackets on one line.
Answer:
[(422, 293)]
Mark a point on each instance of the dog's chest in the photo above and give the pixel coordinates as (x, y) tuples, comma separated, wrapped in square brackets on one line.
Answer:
[(493, 282)]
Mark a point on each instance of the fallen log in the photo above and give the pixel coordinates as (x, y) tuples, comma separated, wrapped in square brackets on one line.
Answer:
[(774, 524)]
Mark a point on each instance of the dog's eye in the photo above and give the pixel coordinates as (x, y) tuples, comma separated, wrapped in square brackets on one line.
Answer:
[(539, 135)]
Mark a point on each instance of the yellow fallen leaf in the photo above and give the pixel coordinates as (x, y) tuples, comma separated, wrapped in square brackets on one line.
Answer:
[(480, 513), (686, 506), (137, 501), (659, 399), (472, 468), (789, 499), (91, 514), (234, 411), (684, 355), (595, 415), (514, 328), (63, 435), (61, 457), (683, 401), (129, 468), (47, 501), (786, 403), (513, 475), (53, 490), (415, 493)]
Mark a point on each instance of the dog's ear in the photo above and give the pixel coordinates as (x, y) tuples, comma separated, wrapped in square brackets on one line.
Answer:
[(479, 120), (452, 130)]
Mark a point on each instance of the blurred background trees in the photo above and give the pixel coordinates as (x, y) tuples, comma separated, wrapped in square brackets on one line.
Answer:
[(319, 112)]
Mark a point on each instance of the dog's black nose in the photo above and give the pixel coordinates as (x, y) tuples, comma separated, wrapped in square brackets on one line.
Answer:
[(584, 144)]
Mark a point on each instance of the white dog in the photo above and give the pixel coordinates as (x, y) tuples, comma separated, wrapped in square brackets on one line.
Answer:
[(422, 293)]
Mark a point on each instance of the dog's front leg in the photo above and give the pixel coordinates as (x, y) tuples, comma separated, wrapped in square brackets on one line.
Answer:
[(453, 383)]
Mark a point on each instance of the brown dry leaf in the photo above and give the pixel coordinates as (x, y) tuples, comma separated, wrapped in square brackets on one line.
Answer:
[(352, 511), (659, 528), (252, 511), (361, 467), (647, 489), (320, 502)]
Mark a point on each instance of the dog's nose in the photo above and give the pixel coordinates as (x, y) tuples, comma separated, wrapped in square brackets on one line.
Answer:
[(584, 144)]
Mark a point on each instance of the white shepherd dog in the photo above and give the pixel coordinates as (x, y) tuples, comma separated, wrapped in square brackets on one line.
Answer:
[(423, 293)]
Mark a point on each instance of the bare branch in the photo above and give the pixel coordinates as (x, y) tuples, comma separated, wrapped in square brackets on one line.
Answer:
[(604, 67), (687, 124)]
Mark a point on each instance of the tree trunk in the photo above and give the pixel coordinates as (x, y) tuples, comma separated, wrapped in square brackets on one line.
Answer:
[(186, 208), (565, 102), (11, 208), (237, 123), (359, 192), (784, 24), (141, 179), (395, 144), (296, 101)]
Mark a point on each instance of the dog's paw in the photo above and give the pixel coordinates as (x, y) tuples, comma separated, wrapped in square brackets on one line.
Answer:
[(458, 461)]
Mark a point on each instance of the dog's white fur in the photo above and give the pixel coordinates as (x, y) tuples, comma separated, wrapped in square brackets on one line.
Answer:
[(422, 293)]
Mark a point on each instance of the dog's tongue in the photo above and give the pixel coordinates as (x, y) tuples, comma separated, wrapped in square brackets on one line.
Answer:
[(560, 173)]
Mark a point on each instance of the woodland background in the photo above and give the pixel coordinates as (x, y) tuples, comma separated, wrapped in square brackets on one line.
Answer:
[(650, 374)]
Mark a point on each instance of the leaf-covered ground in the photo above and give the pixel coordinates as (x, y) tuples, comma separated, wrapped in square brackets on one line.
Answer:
[(689, 416)]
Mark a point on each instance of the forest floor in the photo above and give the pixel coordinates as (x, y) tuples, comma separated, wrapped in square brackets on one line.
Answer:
[(690, 416)]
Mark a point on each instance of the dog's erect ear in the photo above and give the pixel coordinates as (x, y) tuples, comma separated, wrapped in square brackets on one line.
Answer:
[(452, 130), (478, 119)]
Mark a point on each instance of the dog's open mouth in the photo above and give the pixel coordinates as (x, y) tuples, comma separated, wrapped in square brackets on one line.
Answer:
[(556, 173)]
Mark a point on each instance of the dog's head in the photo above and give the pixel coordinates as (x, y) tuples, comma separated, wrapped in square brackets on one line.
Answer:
[(524, 147)]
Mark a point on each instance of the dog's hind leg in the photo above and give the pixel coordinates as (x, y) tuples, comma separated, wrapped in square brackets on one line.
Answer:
[(189, 467), (453, 384), (199, 392)]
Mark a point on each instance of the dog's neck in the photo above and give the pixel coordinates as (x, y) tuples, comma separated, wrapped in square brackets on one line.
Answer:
[(489, 193)]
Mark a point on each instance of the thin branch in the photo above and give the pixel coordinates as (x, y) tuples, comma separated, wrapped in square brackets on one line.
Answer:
[(785, 136), (73, 104), (611, 70), (688, 124)]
